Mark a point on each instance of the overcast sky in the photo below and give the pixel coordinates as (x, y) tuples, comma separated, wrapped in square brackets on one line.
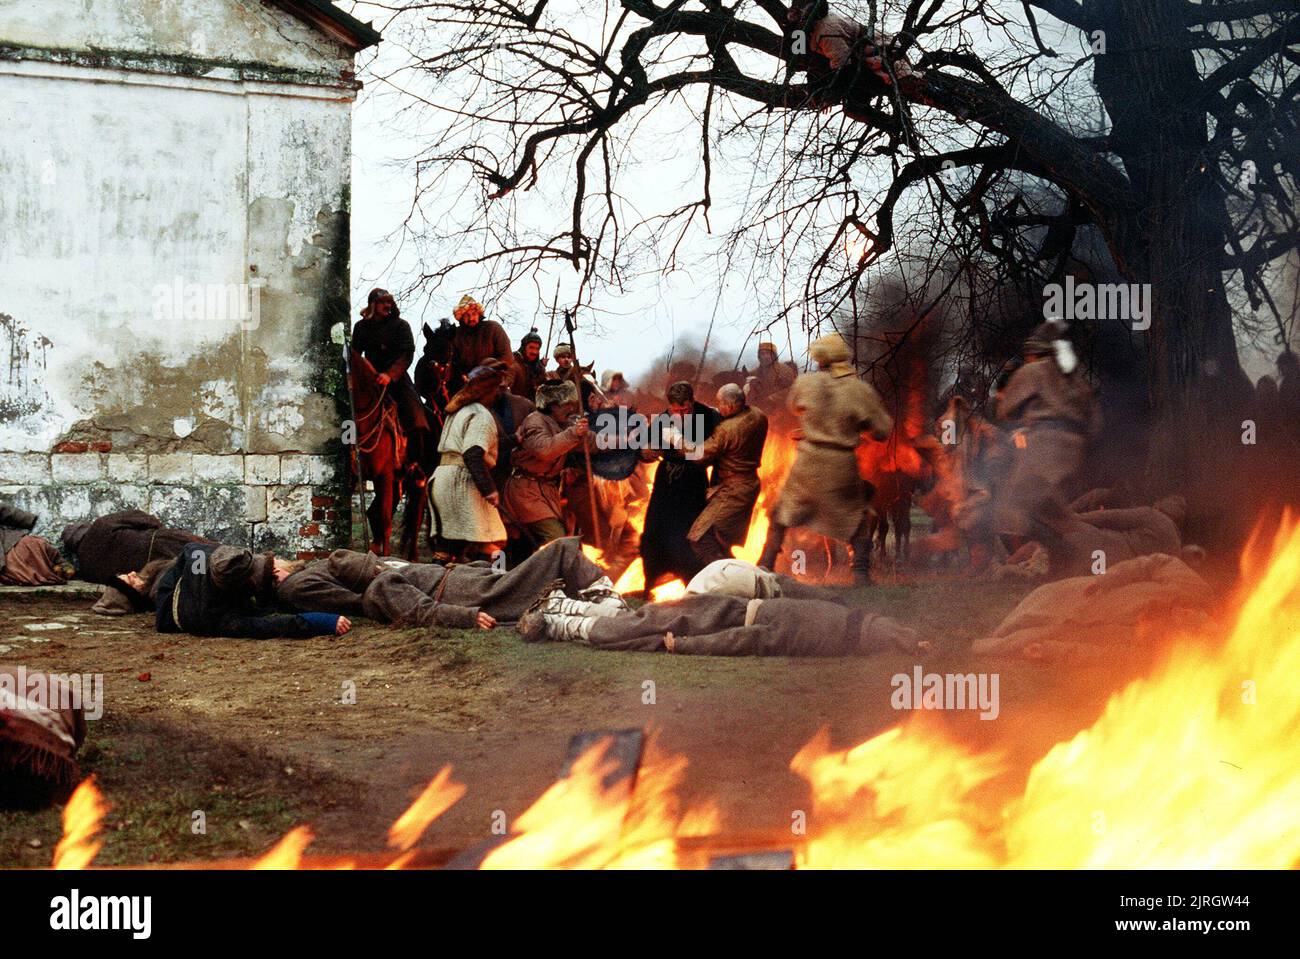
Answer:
[(627, 331)]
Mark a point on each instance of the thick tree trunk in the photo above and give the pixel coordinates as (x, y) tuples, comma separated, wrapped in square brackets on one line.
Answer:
[(1148, 80)]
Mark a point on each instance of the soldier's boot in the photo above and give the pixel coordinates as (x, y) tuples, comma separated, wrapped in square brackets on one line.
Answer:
[(772, 546)]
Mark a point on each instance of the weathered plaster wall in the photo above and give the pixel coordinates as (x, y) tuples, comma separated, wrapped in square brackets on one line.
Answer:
[(174, 260), (220, 31)]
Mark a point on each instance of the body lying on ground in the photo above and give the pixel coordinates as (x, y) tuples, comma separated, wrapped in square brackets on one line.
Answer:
[(708, 624), (211, 590), (428, 594), (1087, 618), (27, 560), (1110, 536), (105, 548)]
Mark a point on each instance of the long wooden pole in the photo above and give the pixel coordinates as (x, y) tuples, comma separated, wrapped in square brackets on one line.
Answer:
[(576, 376)]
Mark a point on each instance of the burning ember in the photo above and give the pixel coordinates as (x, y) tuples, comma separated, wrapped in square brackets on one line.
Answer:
[(1192, 766)]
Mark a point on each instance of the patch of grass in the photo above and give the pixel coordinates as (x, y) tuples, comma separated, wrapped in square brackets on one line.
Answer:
[(156, 777)]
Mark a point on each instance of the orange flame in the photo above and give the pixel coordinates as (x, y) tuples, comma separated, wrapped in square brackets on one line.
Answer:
[(439, 796), (82, 816)]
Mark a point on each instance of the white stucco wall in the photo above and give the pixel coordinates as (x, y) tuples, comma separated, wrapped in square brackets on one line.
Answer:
[(125, 187), (244, 31)]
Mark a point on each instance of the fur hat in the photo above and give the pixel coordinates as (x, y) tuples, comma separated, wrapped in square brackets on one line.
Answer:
[(562, 349), (831, 352), (478, 384), (607, 379), (467, 303), (767, 345), (556, 392)]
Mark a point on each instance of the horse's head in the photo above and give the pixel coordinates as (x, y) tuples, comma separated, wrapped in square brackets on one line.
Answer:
[(437, 343), (362, 379)]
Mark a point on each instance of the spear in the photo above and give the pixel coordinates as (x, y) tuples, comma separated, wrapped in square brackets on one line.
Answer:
[(570, 327), (356, 455)]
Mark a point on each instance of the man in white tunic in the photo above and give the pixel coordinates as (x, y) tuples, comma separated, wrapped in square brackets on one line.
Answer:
[(465, 496)]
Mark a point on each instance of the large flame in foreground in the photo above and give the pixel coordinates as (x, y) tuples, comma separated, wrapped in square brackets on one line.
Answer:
[(1193, 766)]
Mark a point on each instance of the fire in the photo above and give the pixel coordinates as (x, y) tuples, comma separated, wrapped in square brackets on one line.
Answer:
[(585, 821), (1191, 766), (82, 816), (287, 853), (439, 796)]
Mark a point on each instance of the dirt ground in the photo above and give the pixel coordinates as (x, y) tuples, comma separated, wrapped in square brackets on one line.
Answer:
[(254, 734)]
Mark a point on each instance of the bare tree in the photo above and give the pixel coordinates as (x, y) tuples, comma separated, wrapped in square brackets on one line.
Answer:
[(1168, 126)]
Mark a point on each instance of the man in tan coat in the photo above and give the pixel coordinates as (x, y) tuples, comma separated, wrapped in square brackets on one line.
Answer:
[(735, 450), (531, 500), (824, 491), (1054, 414)]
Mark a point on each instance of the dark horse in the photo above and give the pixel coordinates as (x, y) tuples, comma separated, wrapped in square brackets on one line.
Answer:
[(382, 453), (433, 375)]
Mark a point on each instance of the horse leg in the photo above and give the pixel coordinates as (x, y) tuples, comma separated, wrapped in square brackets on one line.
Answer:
[(381, 514)]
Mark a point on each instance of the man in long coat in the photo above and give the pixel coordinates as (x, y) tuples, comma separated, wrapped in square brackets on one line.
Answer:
[(105, 548), (735, 451), (824, 491), (475, 341), (464, 493), (1054, 414), (386, 341), (680, 491)]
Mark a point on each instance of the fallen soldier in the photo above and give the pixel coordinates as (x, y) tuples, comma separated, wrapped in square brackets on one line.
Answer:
[(1115, 535), (705, 624), (105, 548), (1085, 618), (428, 594), (213, 590), (27, 560)]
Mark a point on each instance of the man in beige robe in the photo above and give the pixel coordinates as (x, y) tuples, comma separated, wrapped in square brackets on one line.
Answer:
[(825, 491), (464, 494), (735, 450)]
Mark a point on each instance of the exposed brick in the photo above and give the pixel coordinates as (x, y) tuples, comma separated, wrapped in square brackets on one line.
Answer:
[(322, 501), (71, 447), (309, 529), (76, 467), (101, 446), (255, 504), (318, 514), (306, 469)]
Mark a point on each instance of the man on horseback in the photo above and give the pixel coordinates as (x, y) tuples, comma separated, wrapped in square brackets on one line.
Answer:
[(477, 340), (385, 339)]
